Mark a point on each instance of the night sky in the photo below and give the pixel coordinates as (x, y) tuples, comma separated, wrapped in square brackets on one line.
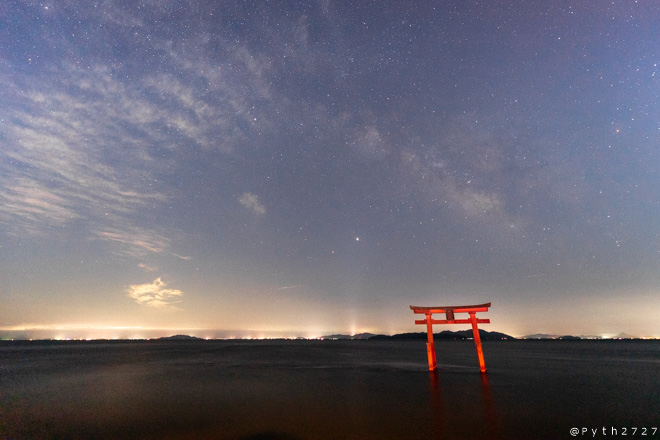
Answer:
[(256, 168)]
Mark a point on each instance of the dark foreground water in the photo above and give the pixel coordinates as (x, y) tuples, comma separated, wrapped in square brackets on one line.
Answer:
[(328, 390)]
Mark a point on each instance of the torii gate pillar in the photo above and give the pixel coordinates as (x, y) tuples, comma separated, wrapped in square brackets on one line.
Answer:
[(477, 341), (430, 345), (449, 314)]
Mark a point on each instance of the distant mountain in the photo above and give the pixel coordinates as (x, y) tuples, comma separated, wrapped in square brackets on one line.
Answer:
[(562, 337), (359, 336), (179, 338), (541, 336), (448, 335), (575, 338)]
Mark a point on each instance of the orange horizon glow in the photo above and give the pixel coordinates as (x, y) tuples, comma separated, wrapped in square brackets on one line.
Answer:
[(110, 332)]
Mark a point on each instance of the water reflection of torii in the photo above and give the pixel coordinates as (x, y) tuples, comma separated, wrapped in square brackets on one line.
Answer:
[(449, 314)]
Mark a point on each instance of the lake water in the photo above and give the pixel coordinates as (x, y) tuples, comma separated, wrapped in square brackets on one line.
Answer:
[(328, 390)]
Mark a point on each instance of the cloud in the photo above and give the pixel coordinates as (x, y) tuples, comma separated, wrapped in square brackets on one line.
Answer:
[(85, 148), (30, 202), (135, 242), (155, 294), (251, 202), (146, 267), (297, 286), (67, 158)]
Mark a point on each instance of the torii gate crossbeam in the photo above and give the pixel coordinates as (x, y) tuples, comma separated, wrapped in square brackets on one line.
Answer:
[(449, 312)]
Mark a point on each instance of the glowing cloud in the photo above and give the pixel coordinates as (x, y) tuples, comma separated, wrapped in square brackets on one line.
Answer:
[(154, 294), (251, 202), (146, 267)]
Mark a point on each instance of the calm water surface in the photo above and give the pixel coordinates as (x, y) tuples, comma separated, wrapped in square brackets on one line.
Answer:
[(326, 390)]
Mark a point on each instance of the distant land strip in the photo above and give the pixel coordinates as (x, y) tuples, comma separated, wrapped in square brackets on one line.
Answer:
[(444, 335)]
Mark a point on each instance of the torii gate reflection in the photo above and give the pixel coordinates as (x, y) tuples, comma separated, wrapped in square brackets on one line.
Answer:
[(449, 314)]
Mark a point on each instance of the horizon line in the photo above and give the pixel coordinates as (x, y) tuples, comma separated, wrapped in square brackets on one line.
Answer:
[(272, 335), (72, 331)]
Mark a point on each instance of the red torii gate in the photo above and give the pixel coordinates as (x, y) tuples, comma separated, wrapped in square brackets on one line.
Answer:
[(449, 314)]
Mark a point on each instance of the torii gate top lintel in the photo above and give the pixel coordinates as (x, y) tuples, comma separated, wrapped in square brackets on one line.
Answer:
[(449, 311), (457, 309)]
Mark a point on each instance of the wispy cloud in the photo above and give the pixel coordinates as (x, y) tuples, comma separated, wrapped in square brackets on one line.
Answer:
[(297, 286), (85, 147), (29, 202), (147, 267), (135, 242), (154, 294), (252, 202), (62, 159)]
